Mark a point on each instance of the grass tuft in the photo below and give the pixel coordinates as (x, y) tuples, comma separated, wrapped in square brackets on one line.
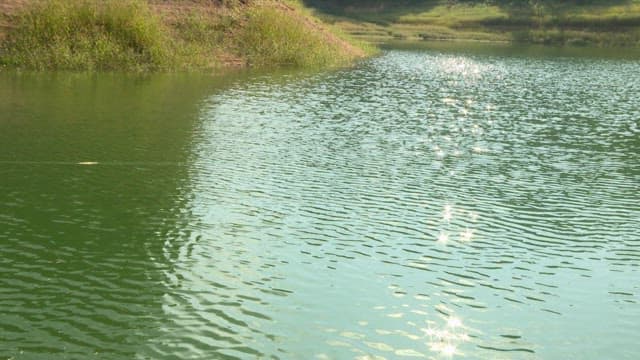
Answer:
[(277, 37)]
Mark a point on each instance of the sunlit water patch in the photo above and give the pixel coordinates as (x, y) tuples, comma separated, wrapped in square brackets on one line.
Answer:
[(420, 205)]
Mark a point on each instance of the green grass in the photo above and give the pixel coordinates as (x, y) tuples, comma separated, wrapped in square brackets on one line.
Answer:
[(200, 39), (276, 37), (604, 23), (88, 35), (126, 35)]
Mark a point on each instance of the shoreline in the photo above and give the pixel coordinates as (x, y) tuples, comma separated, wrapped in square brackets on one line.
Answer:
[(603, 24)]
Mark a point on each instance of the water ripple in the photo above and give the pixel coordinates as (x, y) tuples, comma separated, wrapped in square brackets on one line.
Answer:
[(422, 204)]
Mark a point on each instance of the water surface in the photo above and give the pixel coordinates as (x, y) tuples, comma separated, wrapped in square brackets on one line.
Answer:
[(429, 203)]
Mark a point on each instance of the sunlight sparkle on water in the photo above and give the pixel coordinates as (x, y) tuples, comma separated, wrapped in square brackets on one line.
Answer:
[(449, 101), (454, 322), (448, 350), (443, 348), (479, 149), (447, 213), (466, 235), (446, 341), (461, 65), (443, 238)]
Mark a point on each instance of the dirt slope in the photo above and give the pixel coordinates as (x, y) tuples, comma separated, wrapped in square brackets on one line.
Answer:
[(7, 9)]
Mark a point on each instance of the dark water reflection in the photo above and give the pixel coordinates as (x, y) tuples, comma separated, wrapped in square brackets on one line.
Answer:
[(425, 204), (83, 245)]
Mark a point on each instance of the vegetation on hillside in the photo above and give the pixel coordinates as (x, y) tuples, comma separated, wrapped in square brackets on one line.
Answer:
[(169, 35), (81, 34), (574, 22), (271, 37)]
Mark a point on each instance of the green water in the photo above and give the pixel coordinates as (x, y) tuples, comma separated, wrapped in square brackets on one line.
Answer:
[(428, 203)]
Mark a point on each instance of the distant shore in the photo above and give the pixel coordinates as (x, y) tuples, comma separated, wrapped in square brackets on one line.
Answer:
[(572, 23)]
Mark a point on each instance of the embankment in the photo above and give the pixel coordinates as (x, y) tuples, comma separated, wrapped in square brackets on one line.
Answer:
[(166, 35)]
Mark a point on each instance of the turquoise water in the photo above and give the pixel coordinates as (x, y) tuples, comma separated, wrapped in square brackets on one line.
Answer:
[(427, 203)]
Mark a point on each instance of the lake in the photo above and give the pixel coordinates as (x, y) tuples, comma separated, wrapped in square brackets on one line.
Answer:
[(433, 202)]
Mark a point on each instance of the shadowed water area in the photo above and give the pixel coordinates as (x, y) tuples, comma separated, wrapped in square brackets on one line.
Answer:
[(423, 204)]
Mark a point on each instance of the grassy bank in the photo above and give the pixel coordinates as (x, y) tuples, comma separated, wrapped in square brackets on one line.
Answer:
[(572, 22), (167, 35)]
